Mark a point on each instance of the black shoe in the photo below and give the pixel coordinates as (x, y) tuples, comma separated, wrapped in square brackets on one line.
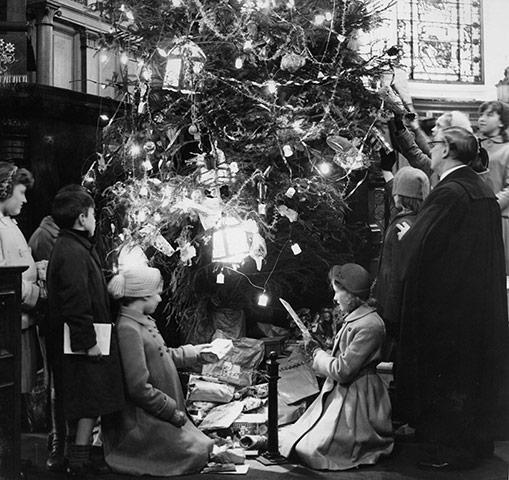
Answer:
[(76, 472), (55, 461), (98, 466)]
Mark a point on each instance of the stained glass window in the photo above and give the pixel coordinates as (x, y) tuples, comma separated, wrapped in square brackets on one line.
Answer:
[(441, 39)]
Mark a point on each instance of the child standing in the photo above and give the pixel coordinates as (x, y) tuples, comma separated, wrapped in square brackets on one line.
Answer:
[(153, 435), (410, 187), (494, 137), (78, 296), (14, 250), (349, 423)]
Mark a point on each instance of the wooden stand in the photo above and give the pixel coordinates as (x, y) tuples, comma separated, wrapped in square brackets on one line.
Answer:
[(10, 372)]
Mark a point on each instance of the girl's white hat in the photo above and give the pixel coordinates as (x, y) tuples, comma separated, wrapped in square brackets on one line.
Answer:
[(135, 282)]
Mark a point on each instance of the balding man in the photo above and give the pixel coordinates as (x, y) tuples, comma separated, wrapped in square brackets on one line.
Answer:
[(453, 361)]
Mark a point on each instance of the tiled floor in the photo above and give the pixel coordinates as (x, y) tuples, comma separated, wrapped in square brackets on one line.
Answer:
[(400, 466)]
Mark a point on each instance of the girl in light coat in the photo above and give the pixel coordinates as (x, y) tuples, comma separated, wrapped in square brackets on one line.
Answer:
[(349, 424), (14, 251), (494, 137), (153, 434)]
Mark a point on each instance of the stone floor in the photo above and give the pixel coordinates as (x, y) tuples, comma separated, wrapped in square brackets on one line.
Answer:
[(401, 465)]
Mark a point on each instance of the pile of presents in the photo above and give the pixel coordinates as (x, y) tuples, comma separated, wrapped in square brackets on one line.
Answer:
[(228, 400)]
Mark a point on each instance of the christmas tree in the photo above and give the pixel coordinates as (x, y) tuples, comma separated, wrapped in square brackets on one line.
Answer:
[(245, 128)]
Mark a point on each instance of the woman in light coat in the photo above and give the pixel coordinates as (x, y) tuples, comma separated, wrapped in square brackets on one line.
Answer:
[(14, 251), (349, 424)]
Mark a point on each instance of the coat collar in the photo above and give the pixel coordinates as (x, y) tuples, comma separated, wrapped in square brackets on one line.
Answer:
[(359, 312), (7, 220), (75, 236), (138, 317)]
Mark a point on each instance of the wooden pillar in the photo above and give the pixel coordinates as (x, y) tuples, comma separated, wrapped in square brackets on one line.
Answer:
[(44, 11)]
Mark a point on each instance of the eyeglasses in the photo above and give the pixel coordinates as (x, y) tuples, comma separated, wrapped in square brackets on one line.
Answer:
[(432, 143)]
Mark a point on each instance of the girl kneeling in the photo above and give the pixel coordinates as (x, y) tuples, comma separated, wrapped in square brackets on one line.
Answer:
[(153, 435), (349, 424)]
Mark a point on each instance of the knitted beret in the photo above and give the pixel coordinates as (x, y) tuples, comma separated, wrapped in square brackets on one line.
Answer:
[(411, 182), (353, 278), (135, 282)]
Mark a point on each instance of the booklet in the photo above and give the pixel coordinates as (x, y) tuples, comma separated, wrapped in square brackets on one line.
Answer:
[(295, 317), (102, 332)]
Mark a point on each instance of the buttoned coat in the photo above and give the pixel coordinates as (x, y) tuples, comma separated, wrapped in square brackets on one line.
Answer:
[(141, 441), (78, 296), (349, 423), (14, 251), (498, 180)]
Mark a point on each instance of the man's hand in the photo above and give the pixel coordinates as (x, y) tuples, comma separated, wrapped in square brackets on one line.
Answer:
[(178, 419)]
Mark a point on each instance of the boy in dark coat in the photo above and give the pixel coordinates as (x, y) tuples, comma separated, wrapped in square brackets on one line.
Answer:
[(78, 296), (452, 376)]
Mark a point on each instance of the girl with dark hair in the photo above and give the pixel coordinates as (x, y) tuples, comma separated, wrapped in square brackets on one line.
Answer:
[(494, 137), (14, 250)]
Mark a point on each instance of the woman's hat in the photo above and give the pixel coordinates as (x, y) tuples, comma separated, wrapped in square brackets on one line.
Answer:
[(411, 182), (135, 282), (352, 277)]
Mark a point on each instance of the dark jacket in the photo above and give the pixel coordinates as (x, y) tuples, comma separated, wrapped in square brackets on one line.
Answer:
[(77, 295), (452, 376), (43, 239), (389, 286)]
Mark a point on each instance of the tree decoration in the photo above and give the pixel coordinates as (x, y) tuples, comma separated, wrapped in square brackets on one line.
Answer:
[(292, 62), (241, 140), (184, 63)]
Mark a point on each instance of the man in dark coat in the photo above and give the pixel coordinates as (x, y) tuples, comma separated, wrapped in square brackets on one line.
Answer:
[(78, 297), (452, 379)]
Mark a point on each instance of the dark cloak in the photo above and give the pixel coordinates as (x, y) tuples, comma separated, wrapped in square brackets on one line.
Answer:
[(452, 380)]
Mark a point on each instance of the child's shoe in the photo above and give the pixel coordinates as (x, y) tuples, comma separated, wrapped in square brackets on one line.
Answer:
[(78, 462), (55, 460)]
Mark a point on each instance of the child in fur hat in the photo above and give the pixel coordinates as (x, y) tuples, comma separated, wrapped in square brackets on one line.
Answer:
[(153, 435), (411, 186)]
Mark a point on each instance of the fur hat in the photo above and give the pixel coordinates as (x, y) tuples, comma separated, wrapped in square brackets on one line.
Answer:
[(353, 278), (411, 182), (135, 282)]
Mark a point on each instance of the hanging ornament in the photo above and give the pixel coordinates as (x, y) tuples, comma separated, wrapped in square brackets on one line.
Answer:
[(187, 253), (162, 245), (229, 242), (184, 63), (348, 156), (288, 213), (131, 255), (258, 250), (149, 147), (287, 151), (291, 62)]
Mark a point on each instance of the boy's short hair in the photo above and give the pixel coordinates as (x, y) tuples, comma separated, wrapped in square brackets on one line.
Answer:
[(10, 176), (69, 204)]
